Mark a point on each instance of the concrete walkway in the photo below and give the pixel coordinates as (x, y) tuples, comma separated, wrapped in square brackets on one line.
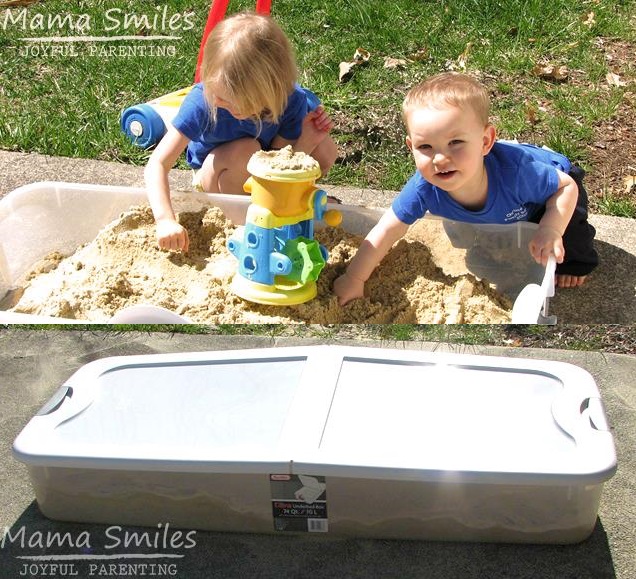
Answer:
[(33, 364), (608, 298)]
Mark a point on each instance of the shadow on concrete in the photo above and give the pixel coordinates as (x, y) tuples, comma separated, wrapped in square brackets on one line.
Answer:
[(230, 555), (607, 297)]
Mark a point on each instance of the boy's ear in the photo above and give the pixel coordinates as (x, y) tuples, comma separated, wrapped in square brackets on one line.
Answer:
[(408, 142), (490, 135)]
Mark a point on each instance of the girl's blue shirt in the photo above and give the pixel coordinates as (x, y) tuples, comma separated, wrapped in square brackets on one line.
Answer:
[(195, 122)]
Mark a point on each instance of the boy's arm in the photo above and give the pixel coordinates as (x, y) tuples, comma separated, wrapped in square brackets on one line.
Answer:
[(170, 235), (558, 212), (375, 246)]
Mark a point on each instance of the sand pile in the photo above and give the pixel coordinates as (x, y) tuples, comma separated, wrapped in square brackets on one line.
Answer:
[(123, 266), (279, 160)]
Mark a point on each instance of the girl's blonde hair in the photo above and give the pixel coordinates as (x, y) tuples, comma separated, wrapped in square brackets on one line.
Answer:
[(449, 88), (249, 59)]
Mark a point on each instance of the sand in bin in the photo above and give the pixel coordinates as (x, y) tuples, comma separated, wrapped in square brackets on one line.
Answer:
[(123, 266)]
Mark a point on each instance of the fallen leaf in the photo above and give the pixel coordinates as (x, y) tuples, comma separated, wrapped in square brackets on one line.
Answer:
[(390, 62), (614, 80), (551, 72), (346, 70), (589, 21), (421, 54), (630, 182), (361, 56), (531, 113)]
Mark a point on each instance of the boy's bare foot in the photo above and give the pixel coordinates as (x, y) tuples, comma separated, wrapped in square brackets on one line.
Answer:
[(564, 280)]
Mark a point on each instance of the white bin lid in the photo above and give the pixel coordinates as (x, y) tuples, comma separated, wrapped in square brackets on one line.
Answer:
[(331, 411)]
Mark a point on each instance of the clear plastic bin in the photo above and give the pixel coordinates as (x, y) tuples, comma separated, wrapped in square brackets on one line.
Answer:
[(364, 442), (38, 219)]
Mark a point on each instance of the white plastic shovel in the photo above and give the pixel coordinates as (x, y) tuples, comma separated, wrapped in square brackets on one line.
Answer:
[(147, 314), (530, 305)]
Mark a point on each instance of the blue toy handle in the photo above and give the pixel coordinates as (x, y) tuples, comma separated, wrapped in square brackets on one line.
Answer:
[(142, 125)]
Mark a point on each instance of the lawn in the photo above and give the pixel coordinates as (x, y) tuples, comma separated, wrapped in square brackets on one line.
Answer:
[(69, 103)]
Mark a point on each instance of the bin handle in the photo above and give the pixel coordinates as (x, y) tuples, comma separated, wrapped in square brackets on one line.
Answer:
[(592, 409), (54, 403)]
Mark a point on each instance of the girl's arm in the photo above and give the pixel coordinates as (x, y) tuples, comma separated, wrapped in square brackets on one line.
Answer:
[(314, 139), (316, 126), (558, 211), (170, 235), (376, 245)]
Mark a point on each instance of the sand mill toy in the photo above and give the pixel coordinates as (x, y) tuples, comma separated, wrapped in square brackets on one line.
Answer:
[(279, 261)]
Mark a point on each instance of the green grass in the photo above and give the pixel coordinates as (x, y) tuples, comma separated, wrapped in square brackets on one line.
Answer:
[(618, 206), (70, 106), (599, 337)]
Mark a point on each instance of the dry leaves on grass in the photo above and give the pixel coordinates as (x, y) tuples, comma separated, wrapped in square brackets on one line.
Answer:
[(590, 20), (614, 80), (551, 72), (14, 3), (462, 59), (390, 62), (360, 57)]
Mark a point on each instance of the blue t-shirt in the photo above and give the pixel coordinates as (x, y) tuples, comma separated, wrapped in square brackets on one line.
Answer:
[(521, 178), (194, 121)]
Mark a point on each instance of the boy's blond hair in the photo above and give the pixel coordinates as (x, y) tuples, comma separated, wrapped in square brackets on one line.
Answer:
[(249, 57), (449, 88)]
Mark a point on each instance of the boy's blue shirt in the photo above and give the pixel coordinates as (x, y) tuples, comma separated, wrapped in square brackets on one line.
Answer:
[(194, 121), (521, 178)]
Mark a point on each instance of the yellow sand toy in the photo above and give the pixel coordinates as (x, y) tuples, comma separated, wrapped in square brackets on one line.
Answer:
[(278, 259)]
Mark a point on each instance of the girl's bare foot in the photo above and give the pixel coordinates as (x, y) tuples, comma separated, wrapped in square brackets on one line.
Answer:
[(564, 280)]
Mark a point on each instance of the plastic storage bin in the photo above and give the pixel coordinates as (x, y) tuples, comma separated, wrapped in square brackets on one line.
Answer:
[(38, 219), (347, 441)]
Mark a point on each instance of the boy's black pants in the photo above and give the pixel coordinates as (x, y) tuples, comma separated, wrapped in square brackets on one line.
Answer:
[(578, 240)]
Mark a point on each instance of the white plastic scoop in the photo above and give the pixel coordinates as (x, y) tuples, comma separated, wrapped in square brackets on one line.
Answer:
[(147, 314), (531, 301)]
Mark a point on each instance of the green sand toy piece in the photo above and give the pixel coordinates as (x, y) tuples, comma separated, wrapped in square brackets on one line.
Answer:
[(307, 259)]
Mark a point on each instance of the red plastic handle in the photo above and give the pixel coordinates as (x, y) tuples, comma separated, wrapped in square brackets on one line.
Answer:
[(217, 13)]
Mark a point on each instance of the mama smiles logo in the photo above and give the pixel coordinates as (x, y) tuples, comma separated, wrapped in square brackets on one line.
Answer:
[(62, 34), (113, 553)]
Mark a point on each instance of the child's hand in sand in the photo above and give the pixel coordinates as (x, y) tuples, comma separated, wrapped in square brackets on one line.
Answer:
[(348, 288), (171, 235), (545, 242)]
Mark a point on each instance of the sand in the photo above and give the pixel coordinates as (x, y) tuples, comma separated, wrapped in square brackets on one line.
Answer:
[(284, 159), (123, 266)]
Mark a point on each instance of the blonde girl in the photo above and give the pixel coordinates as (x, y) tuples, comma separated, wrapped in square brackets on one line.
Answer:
[(249, 100)]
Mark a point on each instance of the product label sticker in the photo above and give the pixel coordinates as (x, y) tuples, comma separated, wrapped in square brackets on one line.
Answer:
[(299, 502)]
